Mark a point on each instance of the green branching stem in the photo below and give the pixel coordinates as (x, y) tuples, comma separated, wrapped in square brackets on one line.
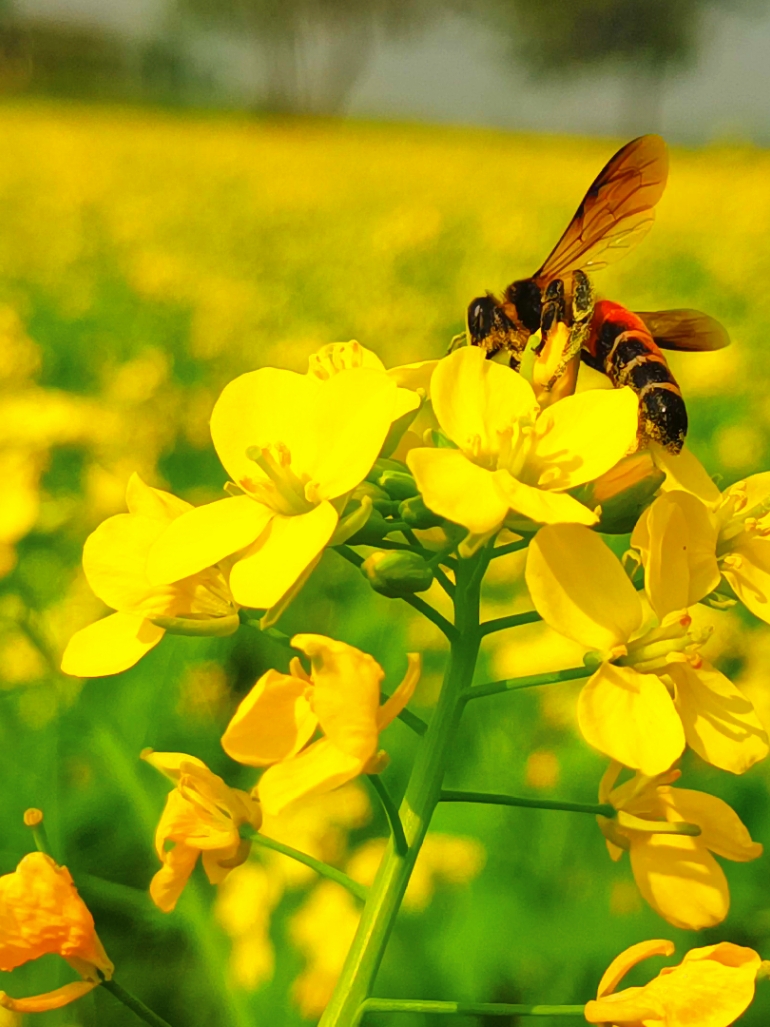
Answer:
[(134, 1004), (391, 1005), (492, 799), (512, 684), (417, 724), (400, 843), (514, 620), (511, 547), (324, 869), (444, 581)]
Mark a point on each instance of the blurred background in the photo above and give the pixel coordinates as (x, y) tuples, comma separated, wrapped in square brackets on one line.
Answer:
[(190, 190)]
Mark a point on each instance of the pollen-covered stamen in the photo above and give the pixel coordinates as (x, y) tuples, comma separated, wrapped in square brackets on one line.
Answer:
[(285, 491), (336, 357), (739, 524), (522, 439), (670, 643)]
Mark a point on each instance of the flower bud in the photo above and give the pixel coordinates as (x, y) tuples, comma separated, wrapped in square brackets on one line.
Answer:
[(622, 493), (373, 532), (415, 513), (397, 573), (381, 501)]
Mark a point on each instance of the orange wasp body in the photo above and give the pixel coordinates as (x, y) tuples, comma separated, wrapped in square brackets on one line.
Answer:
[(616, 212)]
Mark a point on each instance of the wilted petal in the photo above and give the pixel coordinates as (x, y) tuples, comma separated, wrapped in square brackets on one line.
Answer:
[(204, 536), (272, 723), (56, 999), (631, 717), (171, 764), (722, 830), (168, 883), (580, 589), (720, 723), (680, 879), (454, 487), (621, 964), (270, 567), (319, 768), (474, 398), (110, 645), (582, 436), (395, 704), (346, 693), (541, 506)]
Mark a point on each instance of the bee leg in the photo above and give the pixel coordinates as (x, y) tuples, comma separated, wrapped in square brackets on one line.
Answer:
[(458, 341)]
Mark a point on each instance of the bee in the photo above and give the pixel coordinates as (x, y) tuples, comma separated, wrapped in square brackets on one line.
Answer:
[(558, 300)]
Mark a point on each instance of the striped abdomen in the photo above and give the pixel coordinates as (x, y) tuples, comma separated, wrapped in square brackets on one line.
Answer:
[(621, 347)]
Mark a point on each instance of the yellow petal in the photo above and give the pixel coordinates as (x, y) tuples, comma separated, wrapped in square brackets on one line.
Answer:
[(317, 769), (204, 536), (710, 988), (270, 567), (722, 830), (581, 437), (541, 506), (629, 1008), (720, 723), (621, 964), (414, 376), (457, 489), (756, 488), (170, 764), (168, 884), (667, 577), (680, 879), (50, 1000), (273, 722), (685, 472), (579, 587), (388, 712), (110, 645), (145, 501), (631, 717), (747, 571), (346, 693), (115, 558), (341, 356), (477, 399)]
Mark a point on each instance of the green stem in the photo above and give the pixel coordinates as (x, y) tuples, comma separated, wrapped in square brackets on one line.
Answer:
[(417, 724), (511, 684), (134, 1004), (492, 799), (514, 620), (444, 581), (399, 1005), (511, 547), (33, 819), (400, 843), (423, 793), (359, 890)]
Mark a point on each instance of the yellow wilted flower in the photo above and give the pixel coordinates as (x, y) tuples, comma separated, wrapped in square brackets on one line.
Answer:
[(513, 462), (711, 987), (42, 913), (203, 815), (294, 446), (281, 713), (652, 689), (114, 561), (728, 536), (675, 873)]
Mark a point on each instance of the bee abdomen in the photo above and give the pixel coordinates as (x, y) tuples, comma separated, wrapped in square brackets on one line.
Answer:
[(663, 415)]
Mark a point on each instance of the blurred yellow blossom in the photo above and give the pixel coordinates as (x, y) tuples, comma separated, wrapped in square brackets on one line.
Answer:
[(244, 905), (511, 461), (676, 873), (711, 987), (42, 914), (202, 815), (652, 689), (542, 770), (114, 559), (277, 719), (294, 447)]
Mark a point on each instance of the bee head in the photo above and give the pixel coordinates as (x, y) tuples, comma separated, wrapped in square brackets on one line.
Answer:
[(525, 300), (482, 317)]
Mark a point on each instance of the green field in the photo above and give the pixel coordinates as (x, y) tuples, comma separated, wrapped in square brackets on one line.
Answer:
[(145, 260)]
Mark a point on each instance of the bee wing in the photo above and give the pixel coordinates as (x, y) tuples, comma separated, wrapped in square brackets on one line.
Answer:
[(685, 329), (616, 212)]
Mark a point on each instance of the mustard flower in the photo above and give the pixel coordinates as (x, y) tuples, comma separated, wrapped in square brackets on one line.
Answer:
[(281, 713), (513, 462), (652, 690), (728, 535), (294, 446), (42, 913), (676, 873), (114, 561), (203, 815), (711, 987)]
